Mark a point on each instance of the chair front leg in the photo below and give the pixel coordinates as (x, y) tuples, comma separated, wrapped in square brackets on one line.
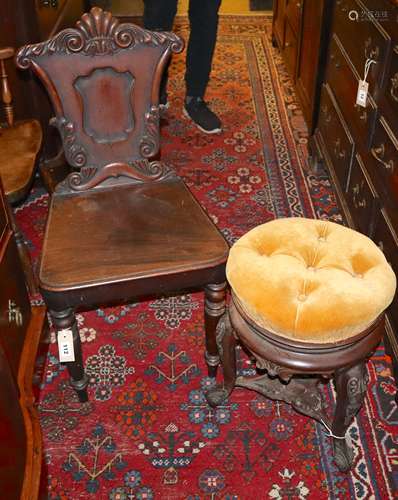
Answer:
[(66, 320), (351, 384), (214, 309)]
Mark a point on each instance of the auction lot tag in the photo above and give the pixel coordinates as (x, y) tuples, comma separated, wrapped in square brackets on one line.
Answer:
[(65, 345), (362, 93)]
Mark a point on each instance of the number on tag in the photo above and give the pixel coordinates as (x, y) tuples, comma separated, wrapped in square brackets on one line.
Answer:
[(65, 345), (362, 94)]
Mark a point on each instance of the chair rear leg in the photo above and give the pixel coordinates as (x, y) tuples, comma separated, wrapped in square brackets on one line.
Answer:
[(24, 256), (214, 309), (66, 320)]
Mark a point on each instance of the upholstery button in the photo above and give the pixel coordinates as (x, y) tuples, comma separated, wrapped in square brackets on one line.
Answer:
[(321, 238), (358, 275), (302, 297), (311, 268)]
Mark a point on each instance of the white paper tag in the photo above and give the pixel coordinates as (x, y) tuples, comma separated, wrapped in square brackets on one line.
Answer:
[(65, 345), (362, 94)]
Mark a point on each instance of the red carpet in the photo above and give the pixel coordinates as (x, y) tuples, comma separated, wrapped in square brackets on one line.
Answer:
[(147, 431)]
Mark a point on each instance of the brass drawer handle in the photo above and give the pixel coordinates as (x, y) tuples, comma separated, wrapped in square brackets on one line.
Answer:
[(328, 116), (378, 153), (338, 152), (337, 62), (50, 3), (344, 8), (371, 52), (394, 87), (14, 313), (356, 191), (380, 244), (363, 114)]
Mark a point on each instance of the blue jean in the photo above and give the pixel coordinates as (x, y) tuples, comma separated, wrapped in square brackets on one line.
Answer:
[(203, 19)]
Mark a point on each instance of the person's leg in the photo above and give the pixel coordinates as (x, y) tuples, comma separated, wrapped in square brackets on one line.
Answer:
[(203, 18), (159, 16)]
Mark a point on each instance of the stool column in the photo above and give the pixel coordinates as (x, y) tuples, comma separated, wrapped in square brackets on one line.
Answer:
[(214, 309)]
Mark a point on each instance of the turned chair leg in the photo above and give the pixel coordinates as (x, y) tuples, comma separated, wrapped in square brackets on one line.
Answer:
[(226, 343), (351, 386), (214, 309), (65, 320)]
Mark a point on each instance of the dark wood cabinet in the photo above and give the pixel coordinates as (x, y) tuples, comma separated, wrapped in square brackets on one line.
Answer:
[(20, 328), (300, 30), (359, 145)]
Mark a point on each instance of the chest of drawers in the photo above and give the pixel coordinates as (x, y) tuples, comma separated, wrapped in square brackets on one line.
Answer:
[(359, 145)]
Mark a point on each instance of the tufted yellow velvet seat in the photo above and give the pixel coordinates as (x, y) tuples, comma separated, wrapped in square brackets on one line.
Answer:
[(310, 280)]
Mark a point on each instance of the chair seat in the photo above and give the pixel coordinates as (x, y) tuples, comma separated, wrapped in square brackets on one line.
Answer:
[(19, 146), (309, 280), (135, 232)]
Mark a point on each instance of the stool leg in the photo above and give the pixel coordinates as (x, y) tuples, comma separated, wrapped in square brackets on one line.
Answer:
[(78, 379), (351, 389), (214, 309), (226, 343)]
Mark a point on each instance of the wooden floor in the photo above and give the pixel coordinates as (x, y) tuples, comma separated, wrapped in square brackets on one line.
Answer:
[(135, 7)]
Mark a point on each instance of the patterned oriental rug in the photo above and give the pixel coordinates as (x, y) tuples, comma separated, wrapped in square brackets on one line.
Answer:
[(147, 431)]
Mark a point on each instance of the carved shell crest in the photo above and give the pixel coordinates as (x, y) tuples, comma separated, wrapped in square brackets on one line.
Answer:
[(97, 33)]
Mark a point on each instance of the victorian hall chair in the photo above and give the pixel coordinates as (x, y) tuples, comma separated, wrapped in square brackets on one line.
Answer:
[(120, 227)]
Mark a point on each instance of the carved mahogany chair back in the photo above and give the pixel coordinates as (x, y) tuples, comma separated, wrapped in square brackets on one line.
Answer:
[(120, 227), (103, 79)]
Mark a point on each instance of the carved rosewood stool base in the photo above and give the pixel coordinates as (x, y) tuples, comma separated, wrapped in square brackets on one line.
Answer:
[(293, 372), (308, 303)]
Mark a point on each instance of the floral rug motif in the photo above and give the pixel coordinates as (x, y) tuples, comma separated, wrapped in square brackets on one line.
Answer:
[(147, 431)]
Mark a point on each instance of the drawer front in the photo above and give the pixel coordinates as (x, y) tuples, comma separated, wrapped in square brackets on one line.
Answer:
[(384, 151), (293, 13), (386, 238), (290, 50), (338, 143), (14, 305), (345, 86), (361, 197), (370, 40), (389, 104)]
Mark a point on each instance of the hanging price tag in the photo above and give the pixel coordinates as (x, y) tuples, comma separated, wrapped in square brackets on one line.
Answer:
[(362, 94), (65, 345), (363, 86)]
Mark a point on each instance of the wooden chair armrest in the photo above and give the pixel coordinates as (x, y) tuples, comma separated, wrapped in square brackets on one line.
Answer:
[(6, 53)]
